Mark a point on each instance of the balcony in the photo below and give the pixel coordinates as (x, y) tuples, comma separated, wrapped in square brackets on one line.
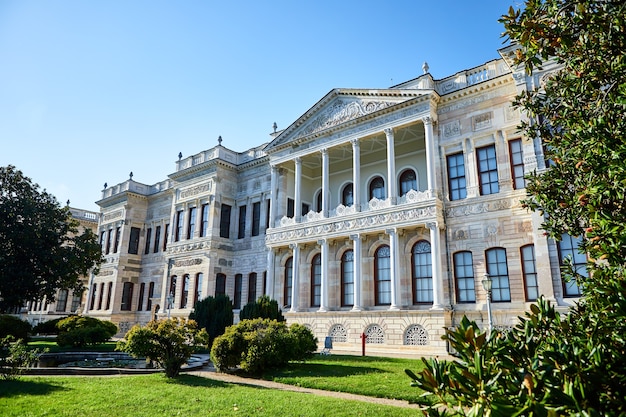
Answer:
[(414, 208)]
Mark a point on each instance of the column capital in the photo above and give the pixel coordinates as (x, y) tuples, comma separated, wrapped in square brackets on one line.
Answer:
[(434, 226), (293, 246), (427, 120), (324, 151), (297, 160), (355, 236), (322, 241), (355, 142), (388, 132), (391, 231)]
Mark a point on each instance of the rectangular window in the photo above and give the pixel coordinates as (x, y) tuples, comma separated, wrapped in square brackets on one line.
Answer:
[(92, 302), (225, 221), (517, 164), (191, 227), (166, 236), (148, 239), (103, 240), (529, 271), (237, 300), (127, 296), (142, 289), (569, 255), (198, 290), (305, 208), (488, 170), (252, 288), (184, 298), (133, 243), (76, 297), (220, 284), (464, 276), (157, 239), (267, 214), (109, 238), (180, 220), (117, 239), (205, 220), (456, 176), (109, 294), (100, 297), (256, 218), (242, 222), (290, 207), (499, 273), (62, 300), (150, 295)]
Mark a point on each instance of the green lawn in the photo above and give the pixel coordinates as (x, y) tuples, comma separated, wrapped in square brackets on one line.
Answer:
[(364, 375), (154, 395)]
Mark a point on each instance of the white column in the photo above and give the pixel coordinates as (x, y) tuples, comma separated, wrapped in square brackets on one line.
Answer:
[(394, 270), (435, 254), (325, 183), (356, 241), (269, 289), (273, 195), (324, 287), (356, 174), (391, 166), (430, 152), (298, 201), (295, 281)]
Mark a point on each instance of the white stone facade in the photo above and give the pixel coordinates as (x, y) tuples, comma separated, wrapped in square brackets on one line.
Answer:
[(377, 212)]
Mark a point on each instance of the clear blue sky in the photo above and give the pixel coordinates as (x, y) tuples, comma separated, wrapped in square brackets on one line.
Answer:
[(92, 90)]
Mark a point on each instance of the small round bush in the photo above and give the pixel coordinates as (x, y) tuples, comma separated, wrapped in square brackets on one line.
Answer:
[(13, 326), (80, 331)]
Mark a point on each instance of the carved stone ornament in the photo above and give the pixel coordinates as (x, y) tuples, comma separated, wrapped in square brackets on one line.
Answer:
[(452, 129)]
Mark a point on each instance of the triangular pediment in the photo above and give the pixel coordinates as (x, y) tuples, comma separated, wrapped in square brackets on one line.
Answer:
[(342, 106)]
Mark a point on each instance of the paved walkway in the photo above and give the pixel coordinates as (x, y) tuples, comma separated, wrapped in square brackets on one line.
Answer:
[(209, 372)]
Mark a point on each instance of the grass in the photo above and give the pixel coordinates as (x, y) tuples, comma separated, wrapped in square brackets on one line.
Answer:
[(154, 395), (363, 375)]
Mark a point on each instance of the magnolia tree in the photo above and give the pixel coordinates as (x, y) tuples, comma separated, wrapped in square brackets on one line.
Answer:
[(552, 364)]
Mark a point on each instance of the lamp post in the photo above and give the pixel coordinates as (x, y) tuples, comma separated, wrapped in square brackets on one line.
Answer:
[(487, 283), (169, 300)]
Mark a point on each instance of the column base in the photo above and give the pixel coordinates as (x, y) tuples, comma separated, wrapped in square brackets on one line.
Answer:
[(322, 310), (394, 308), (357, 308), (437, 307)]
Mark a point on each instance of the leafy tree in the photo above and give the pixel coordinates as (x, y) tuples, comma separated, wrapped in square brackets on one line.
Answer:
[(79, 331), (551, 364), (170, 343), (263, 307), (41, 249), (13, 326), (214, 314)]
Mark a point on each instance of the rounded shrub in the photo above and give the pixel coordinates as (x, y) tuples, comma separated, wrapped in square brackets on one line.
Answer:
[(13, 326), (259, 344), (48, 327), (79, 331)]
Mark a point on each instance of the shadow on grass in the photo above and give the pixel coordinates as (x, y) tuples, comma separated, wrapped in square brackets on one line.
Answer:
[(197, 381), (19, 387), (330, 370)]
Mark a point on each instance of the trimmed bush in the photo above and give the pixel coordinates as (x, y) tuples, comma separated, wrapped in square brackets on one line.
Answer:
[(264, 308), (12, 326), (260, 344), (80, 331), (214, 314), (48, 327)]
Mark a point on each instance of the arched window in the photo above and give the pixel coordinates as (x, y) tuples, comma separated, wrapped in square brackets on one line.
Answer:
[(499, 274), (252, 287), (347, 278), (220, 284), (377, 188), (464, 277), (382, 276), (316, 280), (198, 289), (288, 282), (374, 334), (422, 273), (338, 333), (173, 286), (347, 196), (318, 201), (416, 335), (238, 285), (408, 181), (184, 297)]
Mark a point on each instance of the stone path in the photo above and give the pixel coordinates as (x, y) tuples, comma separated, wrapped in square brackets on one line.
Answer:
[(209, 372)]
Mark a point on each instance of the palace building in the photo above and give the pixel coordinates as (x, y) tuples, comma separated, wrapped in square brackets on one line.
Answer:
[(378, 212)]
